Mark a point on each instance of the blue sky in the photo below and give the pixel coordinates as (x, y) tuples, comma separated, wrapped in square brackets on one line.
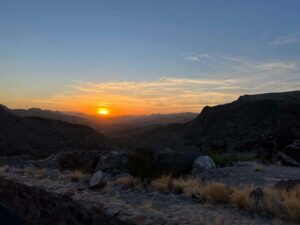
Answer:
[(50, 48)]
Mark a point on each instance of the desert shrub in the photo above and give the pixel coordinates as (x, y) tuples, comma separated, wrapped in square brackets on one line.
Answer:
[(76, 175), (216, 193), (292, 203), (127, 182), (140, 164), (273, 202), (162, 184), (241, 198), (186, 186)]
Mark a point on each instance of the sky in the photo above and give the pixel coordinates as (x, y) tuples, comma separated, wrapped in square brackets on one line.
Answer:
[(143, 57)]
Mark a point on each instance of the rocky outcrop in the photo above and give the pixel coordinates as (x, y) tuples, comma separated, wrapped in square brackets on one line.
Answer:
[(39, 137)]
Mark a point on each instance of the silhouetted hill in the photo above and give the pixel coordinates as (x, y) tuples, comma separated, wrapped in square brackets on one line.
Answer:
[(238, 125), (49, 114), (250, 118), (41, 137), (109, 125)]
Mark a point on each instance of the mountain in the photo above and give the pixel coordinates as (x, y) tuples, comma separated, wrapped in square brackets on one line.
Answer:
[(49, 114), (40, 137), (239, 125), (111, 125), (246, 120)]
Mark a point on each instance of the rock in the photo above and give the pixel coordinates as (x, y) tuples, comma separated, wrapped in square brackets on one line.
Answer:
[(203, 163), (97, 180), (293, 150), (285, 160), (112, 162), (286, 184)]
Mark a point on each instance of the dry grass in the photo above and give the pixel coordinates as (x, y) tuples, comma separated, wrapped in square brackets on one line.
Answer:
[(4, 169), (77, 175), (292, 204), (127, 182), (241, 198), (216, 193), (162, 184), (186, 186)]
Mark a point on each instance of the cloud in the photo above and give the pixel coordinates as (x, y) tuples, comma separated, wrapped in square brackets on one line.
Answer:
[(177, 94), (193, 56), (288, 39)]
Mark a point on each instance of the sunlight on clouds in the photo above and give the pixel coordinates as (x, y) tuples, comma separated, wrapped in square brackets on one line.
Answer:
[(170, 94)]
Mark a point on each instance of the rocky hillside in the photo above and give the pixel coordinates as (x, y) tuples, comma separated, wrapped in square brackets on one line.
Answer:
[(249, 119), (243, 125), (40, 137)]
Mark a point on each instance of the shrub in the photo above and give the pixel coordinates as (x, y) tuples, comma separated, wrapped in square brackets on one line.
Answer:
[(273, 202), (140, 164), (77, 175), (162, 184), (186, 186), (292, 203), (127, 182), (216, 193), (241, 198)]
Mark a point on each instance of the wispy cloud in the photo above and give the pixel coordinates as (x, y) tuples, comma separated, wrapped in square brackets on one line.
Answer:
[(287, 39), (194, 56), (175, 94)]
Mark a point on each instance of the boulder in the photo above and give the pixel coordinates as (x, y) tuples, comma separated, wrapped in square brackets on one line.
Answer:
[(284, 160), (97, 180), (203, 163)]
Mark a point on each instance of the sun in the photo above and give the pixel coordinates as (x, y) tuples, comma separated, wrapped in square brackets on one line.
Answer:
[(103, 111)]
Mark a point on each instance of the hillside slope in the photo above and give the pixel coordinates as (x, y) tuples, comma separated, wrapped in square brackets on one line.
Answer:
[(240, 125), (41, 137), (248, 119)]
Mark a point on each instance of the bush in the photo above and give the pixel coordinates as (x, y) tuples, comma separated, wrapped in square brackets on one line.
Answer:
[(162, 184), (77, 175), (241, 198), (216, 193), (127, 182), (187, 186), (140, 164)]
